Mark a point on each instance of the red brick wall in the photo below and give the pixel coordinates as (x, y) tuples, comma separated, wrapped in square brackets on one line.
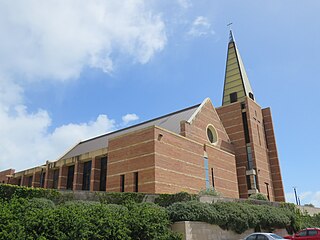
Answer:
[(129, 153), (3, 175), (273, 156), (231, 117), (197, 130)]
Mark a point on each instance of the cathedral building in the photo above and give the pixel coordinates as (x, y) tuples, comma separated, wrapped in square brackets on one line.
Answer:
[(231, 148)]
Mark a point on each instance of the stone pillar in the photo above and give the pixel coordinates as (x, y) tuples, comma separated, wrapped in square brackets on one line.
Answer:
[(63, 172), (95, 174), (36, 179), (78, 175), (48, 180)]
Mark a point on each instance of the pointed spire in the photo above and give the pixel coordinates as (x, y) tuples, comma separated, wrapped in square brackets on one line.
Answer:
[(236, 83)]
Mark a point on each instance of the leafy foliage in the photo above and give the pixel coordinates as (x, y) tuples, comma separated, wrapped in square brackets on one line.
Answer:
[(41, 219), (231, 215), (8, 192), (120, 197), (258, 196), (209, 192), (165, 200)]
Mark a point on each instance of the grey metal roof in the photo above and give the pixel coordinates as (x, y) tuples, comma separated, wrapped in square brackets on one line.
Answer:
[(170, 122)]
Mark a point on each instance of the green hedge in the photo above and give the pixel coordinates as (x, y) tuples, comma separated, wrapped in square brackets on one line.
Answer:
[(8, 192), (22, 218), (231, 215), (120, 197), (165, 200)]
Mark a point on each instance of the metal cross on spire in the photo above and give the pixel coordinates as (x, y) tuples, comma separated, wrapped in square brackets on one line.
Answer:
[(231, 39)]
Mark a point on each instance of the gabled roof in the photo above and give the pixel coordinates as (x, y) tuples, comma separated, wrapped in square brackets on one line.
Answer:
[(170, 122), (236, 79)]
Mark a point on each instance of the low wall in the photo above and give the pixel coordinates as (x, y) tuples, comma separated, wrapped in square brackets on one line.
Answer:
[(205, 231)]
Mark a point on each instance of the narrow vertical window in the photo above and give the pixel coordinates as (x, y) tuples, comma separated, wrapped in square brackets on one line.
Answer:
[(136, 181), (122, 183), (30, 181), (55, 178), (42, 178), (212, 177), (103, 174), (245, 127), (19, 182), (70, 177), (206, 169), (86, 175), (249, 157), (259, 134)]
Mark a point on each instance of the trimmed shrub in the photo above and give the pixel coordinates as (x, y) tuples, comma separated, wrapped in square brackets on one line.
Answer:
[(231, 215), (258, 196), (209, 192), (8, 192), (120, 197), (150, 221), (165, 200)]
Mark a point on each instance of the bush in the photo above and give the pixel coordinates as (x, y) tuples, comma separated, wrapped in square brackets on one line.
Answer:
[(149, 221), (165, 200), (8, 192), (231, 215), (209, 192), (119, 197), (258, 196), (42, 219)]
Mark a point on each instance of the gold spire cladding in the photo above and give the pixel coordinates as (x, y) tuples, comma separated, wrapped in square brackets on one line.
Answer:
[(236, 82)]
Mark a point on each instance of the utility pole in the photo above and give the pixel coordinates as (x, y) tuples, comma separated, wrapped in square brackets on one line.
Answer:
[(295, 194)]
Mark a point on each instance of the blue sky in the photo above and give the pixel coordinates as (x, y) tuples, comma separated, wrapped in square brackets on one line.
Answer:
[(71, 70)]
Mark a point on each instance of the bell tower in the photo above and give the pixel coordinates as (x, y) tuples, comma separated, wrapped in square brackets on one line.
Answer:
[(250, 129)]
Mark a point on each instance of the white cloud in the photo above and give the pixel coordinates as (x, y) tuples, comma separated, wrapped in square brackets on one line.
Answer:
[(57, 39), (200, 27), (305, 198), (26, 140), (184, 3), (129, 118)]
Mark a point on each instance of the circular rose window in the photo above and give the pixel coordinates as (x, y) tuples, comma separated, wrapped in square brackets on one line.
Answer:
[(212, 134)]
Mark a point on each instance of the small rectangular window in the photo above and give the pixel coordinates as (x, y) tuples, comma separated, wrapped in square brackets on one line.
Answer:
[(136, 182), (233, 97), (122, 181)]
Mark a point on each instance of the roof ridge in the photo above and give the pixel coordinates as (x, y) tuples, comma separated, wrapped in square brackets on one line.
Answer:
[(139, 124)]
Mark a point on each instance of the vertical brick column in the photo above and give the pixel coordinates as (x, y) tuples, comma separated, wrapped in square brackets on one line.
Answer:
[(21, 180), (78, 175), (95, 174), (36, 179), (62, 182), (48, 180)]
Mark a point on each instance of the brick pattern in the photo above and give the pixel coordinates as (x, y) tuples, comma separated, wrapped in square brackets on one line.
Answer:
[(3, 175), (129, 153), (231, 117), (273, 156), (167, 162)]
